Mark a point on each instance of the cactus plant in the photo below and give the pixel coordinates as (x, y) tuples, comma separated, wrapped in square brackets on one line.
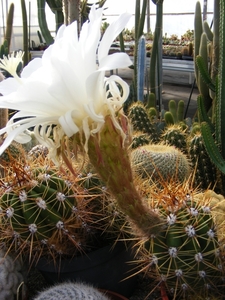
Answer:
[(175, 135), (141, 121), (69, 291), (43, 213), (205, 171), (186, 258), (160, 163), (12, 276), (213, 130), (9, 26), (141, 57)]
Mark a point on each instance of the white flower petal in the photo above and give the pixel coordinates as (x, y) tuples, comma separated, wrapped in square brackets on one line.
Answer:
[(111, 33), (115, 61)]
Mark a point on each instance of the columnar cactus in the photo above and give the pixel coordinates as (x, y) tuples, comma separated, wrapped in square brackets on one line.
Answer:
[(205, 171), (187, 256), (68, 291)]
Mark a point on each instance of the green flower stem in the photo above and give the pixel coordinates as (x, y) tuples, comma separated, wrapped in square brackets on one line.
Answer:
[(111, 160)]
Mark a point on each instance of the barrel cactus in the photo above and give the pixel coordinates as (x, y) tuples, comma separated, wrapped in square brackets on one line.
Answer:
[(186, 258), (41, 212), (69, 290), (160, 163)]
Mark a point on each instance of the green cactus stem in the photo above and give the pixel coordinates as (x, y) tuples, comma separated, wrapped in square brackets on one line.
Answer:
[(205, 73), (198, 30), (205, 171), (141, 57), (208, 31), (56, 8), (25, 33), (155, 70), (43, 22), (9, 25), (215, 146), (139, 27)]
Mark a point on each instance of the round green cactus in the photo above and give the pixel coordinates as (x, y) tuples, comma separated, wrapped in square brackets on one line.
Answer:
[(41, 212), (187, 256), (160, 163), (46, 210)]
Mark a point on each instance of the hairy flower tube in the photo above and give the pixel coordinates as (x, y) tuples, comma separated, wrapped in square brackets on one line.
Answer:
[(66, 94)]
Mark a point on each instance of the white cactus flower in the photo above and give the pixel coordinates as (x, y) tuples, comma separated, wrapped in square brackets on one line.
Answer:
[(65, 92)]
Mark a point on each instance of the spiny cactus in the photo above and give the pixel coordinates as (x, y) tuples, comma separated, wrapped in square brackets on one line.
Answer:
[(187, 256), (139, 139), (12, 276), (43, 212), (141, 121), (141, 57), (205, 171), (176, 111), (175, 135), (69, 291), (160, 163)]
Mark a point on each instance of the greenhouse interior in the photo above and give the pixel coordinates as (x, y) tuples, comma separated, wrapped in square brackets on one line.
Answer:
[(112, 154)]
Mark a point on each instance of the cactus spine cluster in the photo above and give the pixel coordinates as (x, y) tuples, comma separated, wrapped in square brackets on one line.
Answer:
[(187, 256), (69, 291)]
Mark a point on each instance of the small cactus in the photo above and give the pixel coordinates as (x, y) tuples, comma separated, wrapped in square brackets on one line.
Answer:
[(175, 135), (69, 291), (141, 121), (139, 139), (12, 276), (160, 163)]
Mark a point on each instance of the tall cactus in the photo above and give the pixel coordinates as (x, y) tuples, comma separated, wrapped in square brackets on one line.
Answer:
[(215, 146), (155, 75), (141, 68), (56, 8), (43, 22), (25, 33), (8, 33)]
